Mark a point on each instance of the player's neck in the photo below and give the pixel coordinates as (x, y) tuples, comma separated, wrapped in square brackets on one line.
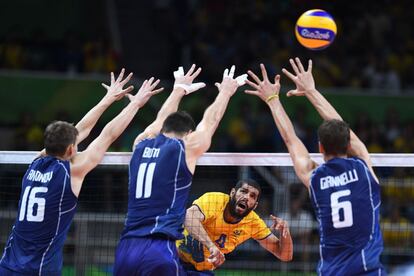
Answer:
[(172, 135), (228, 218), (330, 157)]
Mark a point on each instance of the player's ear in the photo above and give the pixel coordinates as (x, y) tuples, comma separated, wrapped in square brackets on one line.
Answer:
[(255, 205), (321, 149), (69, 150), (232, 192)]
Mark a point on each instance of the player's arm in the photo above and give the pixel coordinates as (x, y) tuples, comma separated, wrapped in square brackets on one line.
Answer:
[(198, 142), (183, 85), (269, 93), (281, 247), (85, 161), (193, 223), (114, 93), (86, 124), (305, 85)]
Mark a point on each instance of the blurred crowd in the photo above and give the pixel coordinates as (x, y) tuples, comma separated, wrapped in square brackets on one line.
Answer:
[(249, 129), (374, 47), (70, 54)]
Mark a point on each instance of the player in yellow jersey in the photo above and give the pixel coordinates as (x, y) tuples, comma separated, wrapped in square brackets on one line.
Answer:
[(217, 223)]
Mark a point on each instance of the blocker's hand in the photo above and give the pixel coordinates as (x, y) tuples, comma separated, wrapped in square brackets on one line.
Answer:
[(228, 83), (146, 91), (185, 81), (303, 79), (264, 89), (116, 91)]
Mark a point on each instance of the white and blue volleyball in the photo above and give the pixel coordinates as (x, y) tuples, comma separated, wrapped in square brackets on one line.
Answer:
[(315, 29)]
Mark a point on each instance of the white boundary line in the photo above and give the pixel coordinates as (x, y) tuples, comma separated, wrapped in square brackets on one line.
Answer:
[(224, 159)]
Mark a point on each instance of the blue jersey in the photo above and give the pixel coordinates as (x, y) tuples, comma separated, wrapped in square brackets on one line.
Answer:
[(46, 209), (159, 184), (346, 198)]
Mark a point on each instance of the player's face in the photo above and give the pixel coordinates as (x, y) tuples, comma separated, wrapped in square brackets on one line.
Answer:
[(243, 201)]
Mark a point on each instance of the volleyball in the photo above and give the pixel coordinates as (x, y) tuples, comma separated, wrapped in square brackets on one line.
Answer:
[(315, 29)]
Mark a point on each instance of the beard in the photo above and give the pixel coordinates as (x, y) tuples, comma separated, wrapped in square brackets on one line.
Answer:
[(234, 213)]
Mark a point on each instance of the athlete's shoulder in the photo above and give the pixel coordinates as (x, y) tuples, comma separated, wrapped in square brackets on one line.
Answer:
[(253, 217), (212, 203), (215, 196)]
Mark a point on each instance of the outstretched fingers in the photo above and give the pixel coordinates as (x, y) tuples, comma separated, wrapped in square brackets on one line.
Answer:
[(121, 75), (277, 79), (289, 74), (264, 73), (152, 87), (127, 79), (252, 84), (310, 66), (153, 92), (300, 66), (294, 67), (232, 69), (252, 92), (196, 73), (190, 72), (253, 75), (226, 73)]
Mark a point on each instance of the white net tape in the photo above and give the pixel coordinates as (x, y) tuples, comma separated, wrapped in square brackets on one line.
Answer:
[(224, 159)]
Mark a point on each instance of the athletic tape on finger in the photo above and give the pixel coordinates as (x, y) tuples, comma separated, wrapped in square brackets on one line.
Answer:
[(179, 72), (190, 88), (232, 69), (241, 80)]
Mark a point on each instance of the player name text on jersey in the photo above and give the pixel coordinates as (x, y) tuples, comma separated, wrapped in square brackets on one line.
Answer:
[(340, 180), (39, 177), (150, 152)]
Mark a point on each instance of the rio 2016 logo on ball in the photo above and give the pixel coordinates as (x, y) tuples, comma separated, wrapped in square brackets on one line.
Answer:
[(315, 29)]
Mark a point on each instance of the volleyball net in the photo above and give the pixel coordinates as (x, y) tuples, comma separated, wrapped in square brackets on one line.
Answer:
[(95, 231)]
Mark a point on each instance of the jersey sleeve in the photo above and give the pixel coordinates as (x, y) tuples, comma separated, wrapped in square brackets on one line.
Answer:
[(209, 204), (259, 228)]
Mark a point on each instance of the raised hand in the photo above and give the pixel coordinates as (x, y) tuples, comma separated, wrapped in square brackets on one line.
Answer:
[(145, 92), (216, 256), (280, 225), (116, 91), (303, 79), (264, 89), (185, 81), (228, 84)]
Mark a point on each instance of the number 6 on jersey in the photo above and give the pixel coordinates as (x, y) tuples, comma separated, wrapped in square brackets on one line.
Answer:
[(346, 206)]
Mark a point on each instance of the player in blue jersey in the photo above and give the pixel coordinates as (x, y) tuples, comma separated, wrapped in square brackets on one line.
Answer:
[(160, 176), (344, 190), (52, 183)]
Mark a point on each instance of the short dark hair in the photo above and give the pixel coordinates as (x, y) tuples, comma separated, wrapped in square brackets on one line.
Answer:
[(334, 135), (179, 122), (58, 136), (249, 182)]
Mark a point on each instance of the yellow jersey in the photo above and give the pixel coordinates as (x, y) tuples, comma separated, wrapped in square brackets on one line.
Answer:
[(225, 235)]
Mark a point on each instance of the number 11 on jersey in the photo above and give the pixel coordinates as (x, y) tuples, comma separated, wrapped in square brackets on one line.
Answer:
[(146, 170)]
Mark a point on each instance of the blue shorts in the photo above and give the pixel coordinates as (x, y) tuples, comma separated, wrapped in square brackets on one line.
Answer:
[(147, 256), (7, 272)]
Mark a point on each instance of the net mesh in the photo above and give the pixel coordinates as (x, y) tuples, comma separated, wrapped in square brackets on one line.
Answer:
[(95, 231)]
